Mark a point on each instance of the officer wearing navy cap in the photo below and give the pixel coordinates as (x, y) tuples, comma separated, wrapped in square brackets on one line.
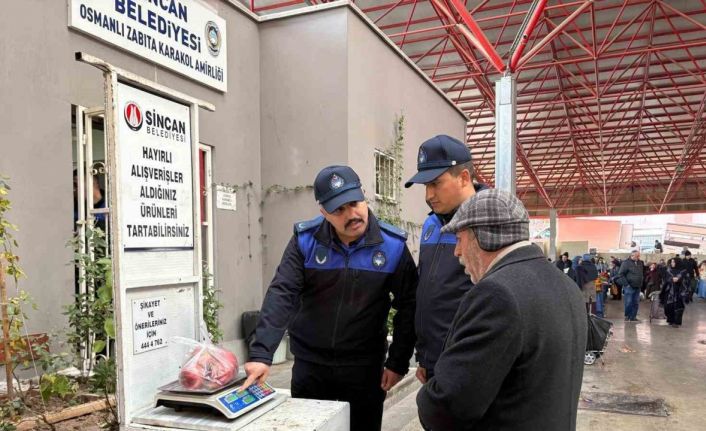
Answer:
[(444, 167), (332, 292)]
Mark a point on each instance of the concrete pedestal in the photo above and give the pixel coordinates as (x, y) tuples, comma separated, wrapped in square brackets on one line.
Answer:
[(301, 414), (282, 414)]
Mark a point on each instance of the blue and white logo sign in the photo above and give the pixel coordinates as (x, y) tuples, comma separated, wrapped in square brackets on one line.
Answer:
[(336, 182), (422, 156), (379, 259), (321, 255), (185, 36), (213, 37)]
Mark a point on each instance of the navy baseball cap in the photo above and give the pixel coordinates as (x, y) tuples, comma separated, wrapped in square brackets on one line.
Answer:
[(335, 186), (436, 155)]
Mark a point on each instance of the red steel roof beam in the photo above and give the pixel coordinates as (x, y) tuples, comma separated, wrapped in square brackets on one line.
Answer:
[(386, 6), (550, 100), (526, 32), (624, 174), (389, 9), (689, 155), (478, 38), (682, 14), (549, 37), (585, 59), (276, 5)]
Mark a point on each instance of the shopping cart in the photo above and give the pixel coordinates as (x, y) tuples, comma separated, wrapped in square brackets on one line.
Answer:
[(656, 308), (599, 331)]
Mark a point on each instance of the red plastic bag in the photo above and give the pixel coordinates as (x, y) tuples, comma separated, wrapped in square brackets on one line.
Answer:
[(207, 366)]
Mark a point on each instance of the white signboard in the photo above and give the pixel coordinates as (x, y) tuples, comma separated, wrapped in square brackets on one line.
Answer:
[(154, 135), (149, 324), (182, 35), (225, 198)]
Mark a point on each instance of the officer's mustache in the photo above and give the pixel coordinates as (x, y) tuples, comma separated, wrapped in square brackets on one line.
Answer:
[(353, 220)]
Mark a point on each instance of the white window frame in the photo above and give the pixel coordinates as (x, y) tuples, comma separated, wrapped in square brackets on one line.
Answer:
[(207, 254), (388, 188)]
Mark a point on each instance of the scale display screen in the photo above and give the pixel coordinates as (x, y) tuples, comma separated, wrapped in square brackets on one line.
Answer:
[(238, 399)]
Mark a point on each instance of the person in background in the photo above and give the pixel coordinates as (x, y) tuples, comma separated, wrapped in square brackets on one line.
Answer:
[(692, 274), (563, 261), (98, 202), (565, 265), (653, 280), (513, 358), (674, 289), (615, 288), (631, 274), (701, 290), (601, 265), (586, 275), (658, 247), (576, 261)]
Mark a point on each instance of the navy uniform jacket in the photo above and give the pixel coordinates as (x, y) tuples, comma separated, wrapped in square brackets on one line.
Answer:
[(442, 283), (335, 299)]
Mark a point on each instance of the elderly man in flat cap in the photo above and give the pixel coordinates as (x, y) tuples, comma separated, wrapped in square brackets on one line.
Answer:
[(513, 358)]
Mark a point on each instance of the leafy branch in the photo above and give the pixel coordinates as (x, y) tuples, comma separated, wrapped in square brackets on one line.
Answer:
[(211, 305), (91, 314)]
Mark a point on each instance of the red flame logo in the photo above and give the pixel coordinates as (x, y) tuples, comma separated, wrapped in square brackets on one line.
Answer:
[(133, 116)]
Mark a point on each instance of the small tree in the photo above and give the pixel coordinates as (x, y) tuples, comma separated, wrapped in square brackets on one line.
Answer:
[(90, 316), (211, 305), (9, 267), (18, 348)]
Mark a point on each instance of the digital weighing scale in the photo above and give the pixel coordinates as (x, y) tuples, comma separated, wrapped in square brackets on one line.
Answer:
[(228, 408), (230, 401)]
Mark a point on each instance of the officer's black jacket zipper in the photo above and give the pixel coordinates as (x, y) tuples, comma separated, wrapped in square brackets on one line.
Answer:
[(340, 302), (432, 270), (345, 286)]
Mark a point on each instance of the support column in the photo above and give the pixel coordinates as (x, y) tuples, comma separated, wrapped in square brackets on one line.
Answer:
[(505, 133), (552, 235)]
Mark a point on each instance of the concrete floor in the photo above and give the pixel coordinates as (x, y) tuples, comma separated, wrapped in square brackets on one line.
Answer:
[(656, 360), (648, 359)]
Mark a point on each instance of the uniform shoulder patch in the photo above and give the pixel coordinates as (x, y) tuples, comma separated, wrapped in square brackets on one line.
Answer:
[(308, 224), (387, 227)]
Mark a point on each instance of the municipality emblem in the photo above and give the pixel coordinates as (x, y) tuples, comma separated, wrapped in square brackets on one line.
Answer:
[(379, 259), (133, 115), (428, 233), (321, 255), (336, 182), (213, 38), (422, 156)]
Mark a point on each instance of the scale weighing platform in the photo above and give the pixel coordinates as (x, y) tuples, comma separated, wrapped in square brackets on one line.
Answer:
[(230, 401), (228, 408)]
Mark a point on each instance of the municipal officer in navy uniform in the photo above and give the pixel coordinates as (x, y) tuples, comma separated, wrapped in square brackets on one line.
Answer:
[(333, 289), (444, 167)]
